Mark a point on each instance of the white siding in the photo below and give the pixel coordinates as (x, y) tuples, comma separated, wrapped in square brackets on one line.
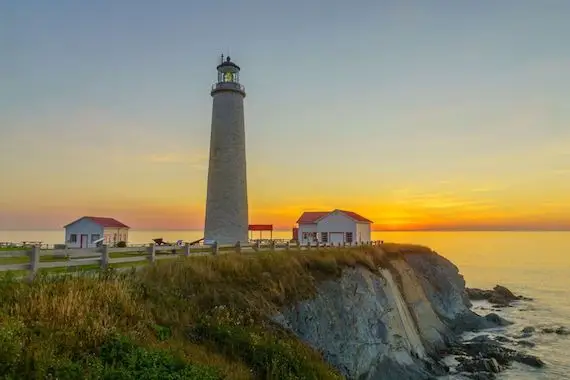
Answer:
[(363, 232), (336, 222), (82, 227), (114, 235), (307, 228)]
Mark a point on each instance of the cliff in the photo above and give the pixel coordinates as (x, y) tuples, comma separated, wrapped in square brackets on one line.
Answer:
[(390, 323), (385, 312)]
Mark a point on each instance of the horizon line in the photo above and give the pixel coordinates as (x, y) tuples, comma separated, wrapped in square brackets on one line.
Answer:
[(451, 229)]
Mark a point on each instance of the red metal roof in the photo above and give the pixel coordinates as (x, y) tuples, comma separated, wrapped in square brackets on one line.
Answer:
[(314, 216), (103, 222), (260, 227)]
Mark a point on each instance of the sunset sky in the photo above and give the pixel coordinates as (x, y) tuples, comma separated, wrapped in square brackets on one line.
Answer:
[(418, 114)]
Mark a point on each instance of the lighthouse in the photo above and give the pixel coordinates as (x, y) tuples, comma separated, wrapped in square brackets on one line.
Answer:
[(226, 198)]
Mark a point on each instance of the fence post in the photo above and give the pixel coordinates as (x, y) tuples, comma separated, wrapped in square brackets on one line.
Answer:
[(308, 246), (104, 257), (287, 246), (215, 248), (151, 253), (298, 245), (187, 249), (272, 246), (34, 262), (238, 247)]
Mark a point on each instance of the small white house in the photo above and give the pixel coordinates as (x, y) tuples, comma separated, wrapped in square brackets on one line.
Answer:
[(85, 231), (333, 227)]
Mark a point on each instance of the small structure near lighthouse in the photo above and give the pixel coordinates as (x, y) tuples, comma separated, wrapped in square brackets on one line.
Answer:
[(226, 200)]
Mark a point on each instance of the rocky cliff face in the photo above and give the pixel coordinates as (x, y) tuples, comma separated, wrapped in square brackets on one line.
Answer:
[(389, 324)]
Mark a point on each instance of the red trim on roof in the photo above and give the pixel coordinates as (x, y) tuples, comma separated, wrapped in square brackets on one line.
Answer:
[(103, 222), (314, 216), (357, 217)]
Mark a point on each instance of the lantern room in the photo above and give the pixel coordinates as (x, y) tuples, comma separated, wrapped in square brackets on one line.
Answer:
[(228, 71), (228, 77)]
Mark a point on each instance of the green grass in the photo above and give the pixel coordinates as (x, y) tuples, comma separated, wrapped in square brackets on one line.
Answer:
[(201, 317)]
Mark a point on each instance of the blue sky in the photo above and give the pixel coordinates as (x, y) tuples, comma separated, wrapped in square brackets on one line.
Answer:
[(415, 100)]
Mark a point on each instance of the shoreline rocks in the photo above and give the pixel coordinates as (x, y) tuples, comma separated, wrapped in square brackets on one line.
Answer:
[(499, 296), (559, 331), (403, 322), (483, 357)]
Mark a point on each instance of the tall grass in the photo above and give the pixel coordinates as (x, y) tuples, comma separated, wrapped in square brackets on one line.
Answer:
[(192, 318)]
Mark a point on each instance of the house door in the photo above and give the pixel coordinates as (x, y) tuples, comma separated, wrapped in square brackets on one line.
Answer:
[(336, 238), (84, 241)]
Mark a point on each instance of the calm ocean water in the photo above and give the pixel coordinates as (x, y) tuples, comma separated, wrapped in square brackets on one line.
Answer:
[(535, 264)]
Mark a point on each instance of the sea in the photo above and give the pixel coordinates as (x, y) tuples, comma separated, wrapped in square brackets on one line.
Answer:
[(533, 264)]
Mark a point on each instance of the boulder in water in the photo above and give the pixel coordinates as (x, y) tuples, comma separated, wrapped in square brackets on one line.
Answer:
[(530, 360), (479, 365), (562, 331), (499, 296), (497, 320)]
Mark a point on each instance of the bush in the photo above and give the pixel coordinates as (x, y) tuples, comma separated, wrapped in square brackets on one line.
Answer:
[(118, 358), (270, 354), (122, 244)]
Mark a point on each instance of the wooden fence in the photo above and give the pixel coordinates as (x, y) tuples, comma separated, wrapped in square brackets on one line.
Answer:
[(69, 258)]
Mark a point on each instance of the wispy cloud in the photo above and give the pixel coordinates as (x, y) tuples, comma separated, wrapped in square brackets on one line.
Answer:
[(198, 160), (168, 158)]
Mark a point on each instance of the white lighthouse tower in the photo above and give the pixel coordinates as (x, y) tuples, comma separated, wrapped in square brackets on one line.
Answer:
[(226, 202)]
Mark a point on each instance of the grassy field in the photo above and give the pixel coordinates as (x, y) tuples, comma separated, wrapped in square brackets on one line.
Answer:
[(188, 318)]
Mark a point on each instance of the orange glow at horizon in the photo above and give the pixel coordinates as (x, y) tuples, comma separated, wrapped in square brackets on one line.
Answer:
[(174, 203)]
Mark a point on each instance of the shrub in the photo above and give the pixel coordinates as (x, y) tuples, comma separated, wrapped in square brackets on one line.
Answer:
[(122, 244)]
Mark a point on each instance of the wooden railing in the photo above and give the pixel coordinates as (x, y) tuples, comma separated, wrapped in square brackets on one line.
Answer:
[(102, 256)]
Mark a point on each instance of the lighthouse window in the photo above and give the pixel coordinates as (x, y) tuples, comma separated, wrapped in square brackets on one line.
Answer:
[(228, 77)]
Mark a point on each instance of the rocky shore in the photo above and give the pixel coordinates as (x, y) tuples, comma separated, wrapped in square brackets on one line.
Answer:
[(405, 322), (499, 296), (484, 356)]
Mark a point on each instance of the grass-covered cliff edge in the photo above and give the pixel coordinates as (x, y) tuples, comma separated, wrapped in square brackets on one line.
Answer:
[(299, 315)]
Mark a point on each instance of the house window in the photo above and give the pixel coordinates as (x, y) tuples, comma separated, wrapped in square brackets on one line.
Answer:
[(349, 237), (73, 238), (95, 237), (324, 237)]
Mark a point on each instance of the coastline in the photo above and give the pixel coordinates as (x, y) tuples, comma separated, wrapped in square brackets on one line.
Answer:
[(529, 264), (412, 297)]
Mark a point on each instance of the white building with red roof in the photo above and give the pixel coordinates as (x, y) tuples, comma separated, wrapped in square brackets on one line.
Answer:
[(333, 227), (86, 231)]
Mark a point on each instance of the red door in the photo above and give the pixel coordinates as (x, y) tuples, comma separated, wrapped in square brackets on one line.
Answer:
[(84, 241)]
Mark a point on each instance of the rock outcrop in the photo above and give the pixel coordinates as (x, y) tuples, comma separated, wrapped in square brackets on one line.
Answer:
[(395, 323), (499, 296)]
